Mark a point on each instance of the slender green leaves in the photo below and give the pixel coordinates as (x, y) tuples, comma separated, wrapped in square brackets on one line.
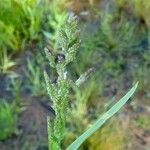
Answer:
[(76, 144)]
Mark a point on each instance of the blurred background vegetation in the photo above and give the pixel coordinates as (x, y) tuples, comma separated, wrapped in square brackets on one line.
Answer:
[(115, 40)]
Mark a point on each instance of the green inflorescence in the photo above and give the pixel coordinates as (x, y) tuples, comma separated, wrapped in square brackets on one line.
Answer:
[(68, 42)]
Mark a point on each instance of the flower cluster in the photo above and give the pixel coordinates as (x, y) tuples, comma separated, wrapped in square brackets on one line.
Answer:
[(68, 43)]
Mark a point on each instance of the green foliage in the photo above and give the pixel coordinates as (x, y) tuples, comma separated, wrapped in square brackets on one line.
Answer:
[(9, 111), (6, 63), (109, 43), (110, 136), (15, 88), (108, 50), (7, 36), (68, 42), (141, 15), (34, 76), (7, 120), (114, 109), (141, 73), (19, 22), (55, 14), (22, 23), (82, 101)]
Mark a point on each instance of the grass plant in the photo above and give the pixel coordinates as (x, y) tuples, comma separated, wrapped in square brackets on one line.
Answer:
[(9, 112), (7, 120), (6, 63), (55, 15), (68, 42), (116, 42), (20, 21), (34, 76)]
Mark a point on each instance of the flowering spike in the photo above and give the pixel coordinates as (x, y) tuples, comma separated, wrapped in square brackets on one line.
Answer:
[(85, 76), (68, 42), (50, 57), (51, 88)]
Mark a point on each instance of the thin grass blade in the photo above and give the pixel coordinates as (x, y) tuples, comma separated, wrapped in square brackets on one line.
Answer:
[(76, 144)]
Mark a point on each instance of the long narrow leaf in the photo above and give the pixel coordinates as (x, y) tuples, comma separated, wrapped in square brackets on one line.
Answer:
[(76, 144)]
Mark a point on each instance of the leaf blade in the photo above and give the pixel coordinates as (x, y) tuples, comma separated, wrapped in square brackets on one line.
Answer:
[(76, 144)]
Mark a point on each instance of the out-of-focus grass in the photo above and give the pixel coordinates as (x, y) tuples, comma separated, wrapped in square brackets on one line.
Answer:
[(119, 48), (5, 62), (109, 137), (20, 21), (23, 23), (136, 8), (140, 12), (34, 79), (7, 120), (119, 45), (55, 16), (142, 122)]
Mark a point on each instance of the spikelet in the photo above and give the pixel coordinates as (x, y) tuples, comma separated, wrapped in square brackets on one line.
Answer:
[(83, 78), (50, 57), (71, 27), (51, 88), (62, 40), (71, 55)]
